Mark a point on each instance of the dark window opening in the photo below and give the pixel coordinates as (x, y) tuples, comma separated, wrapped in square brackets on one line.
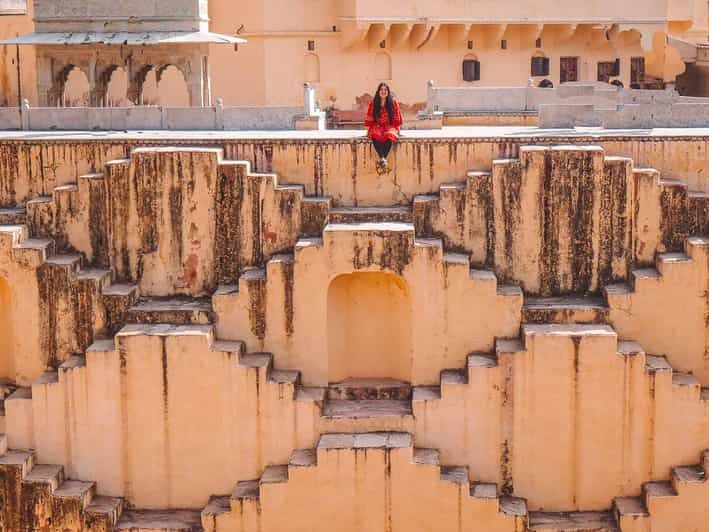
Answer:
[(383, 44), (540, 66), (311, 46), (470, 45), (637, 70), (608, 69), (538, 44), (471, 70), (503, 44), (569, 69), (546, 84)]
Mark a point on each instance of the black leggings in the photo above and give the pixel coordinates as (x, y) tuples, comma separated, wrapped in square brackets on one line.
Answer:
[(383, 148)]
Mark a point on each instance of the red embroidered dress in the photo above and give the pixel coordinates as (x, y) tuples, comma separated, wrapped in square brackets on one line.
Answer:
[(385, 128)]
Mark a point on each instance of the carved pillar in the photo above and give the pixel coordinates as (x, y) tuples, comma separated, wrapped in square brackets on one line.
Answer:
[(45, 78)]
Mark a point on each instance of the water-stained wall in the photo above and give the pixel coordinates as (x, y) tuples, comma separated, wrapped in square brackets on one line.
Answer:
[(341, 167)]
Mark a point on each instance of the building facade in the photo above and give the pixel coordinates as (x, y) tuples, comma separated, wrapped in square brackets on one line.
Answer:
[(346, 47)]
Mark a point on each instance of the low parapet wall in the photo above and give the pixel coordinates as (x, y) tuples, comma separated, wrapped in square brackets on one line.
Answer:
[(572, 105), (217, 117), (678, 114), (152, 118)]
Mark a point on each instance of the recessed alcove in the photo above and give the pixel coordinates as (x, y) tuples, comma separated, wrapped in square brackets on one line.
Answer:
[(369, 327)]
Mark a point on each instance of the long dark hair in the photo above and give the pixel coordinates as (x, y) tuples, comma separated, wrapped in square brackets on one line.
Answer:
[(378, 102)]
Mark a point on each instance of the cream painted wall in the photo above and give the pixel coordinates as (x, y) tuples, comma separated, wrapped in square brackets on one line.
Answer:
[(369, 327)]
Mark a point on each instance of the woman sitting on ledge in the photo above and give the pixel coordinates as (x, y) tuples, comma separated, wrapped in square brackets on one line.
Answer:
[(383, 122)]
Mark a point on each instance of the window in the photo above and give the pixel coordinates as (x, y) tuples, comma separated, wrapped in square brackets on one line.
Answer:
[(540, 66), (569, 69), (471, 70), (538, 44), (503, 44), (608, 69), (470, 45), (637, 70), (311, 46), (383, 44)]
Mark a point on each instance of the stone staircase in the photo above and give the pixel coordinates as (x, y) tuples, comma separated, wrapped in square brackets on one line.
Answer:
[(495, 385), (76, 303), (43, 497), (367, 405), (251, 504)]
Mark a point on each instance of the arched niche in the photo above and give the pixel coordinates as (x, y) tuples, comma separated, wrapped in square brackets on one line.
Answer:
[(77, 91), (382, 66), (312, 68), (7, 336), (165, 85), (369, 327), (117, 89)]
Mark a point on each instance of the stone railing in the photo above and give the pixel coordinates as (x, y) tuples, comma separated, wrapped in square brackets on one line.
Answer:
[(583, 104), (638, 109), (515, 99), (217, 117)]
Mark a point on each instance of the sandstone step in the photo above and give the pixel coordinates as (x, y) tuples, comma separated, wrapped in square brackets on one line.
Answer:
[(483, 490), (514, 506), (13, 216), (688, 474), (657, 490), (455, 474), (573, 521), (22, 460), (106, 510), (630, 507), (370, 214), (371, 440), (216, 506), (274, 474), (565, 309), (52, 475), (361, 389), (75, 489), (303, 458), (171, 310), (314, 214), (366, 416), (366, 409), (246, 489), (162, 520), (431, 457)]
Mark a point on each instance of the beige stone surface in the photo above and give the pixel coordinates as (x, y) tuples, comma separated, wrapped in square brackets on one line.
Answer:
[(175, 323)]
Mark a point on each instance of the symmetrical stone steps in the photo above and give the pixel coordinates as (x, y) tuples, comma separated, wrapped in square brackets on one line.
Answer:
[(46, 418), (250, 504), (636, 513), (261, 309), (76, 303), (638, 309), (486, 391), (42, 496), (637, 213)]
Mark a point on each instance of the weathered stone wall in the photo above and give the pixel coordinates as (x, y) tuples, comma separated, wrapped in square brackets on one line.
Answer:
[(182, 403), (341, 168)]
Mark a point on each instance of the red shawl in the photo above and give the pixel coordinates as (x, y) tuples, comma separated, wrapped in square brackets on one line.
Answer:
[(385, 128)]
